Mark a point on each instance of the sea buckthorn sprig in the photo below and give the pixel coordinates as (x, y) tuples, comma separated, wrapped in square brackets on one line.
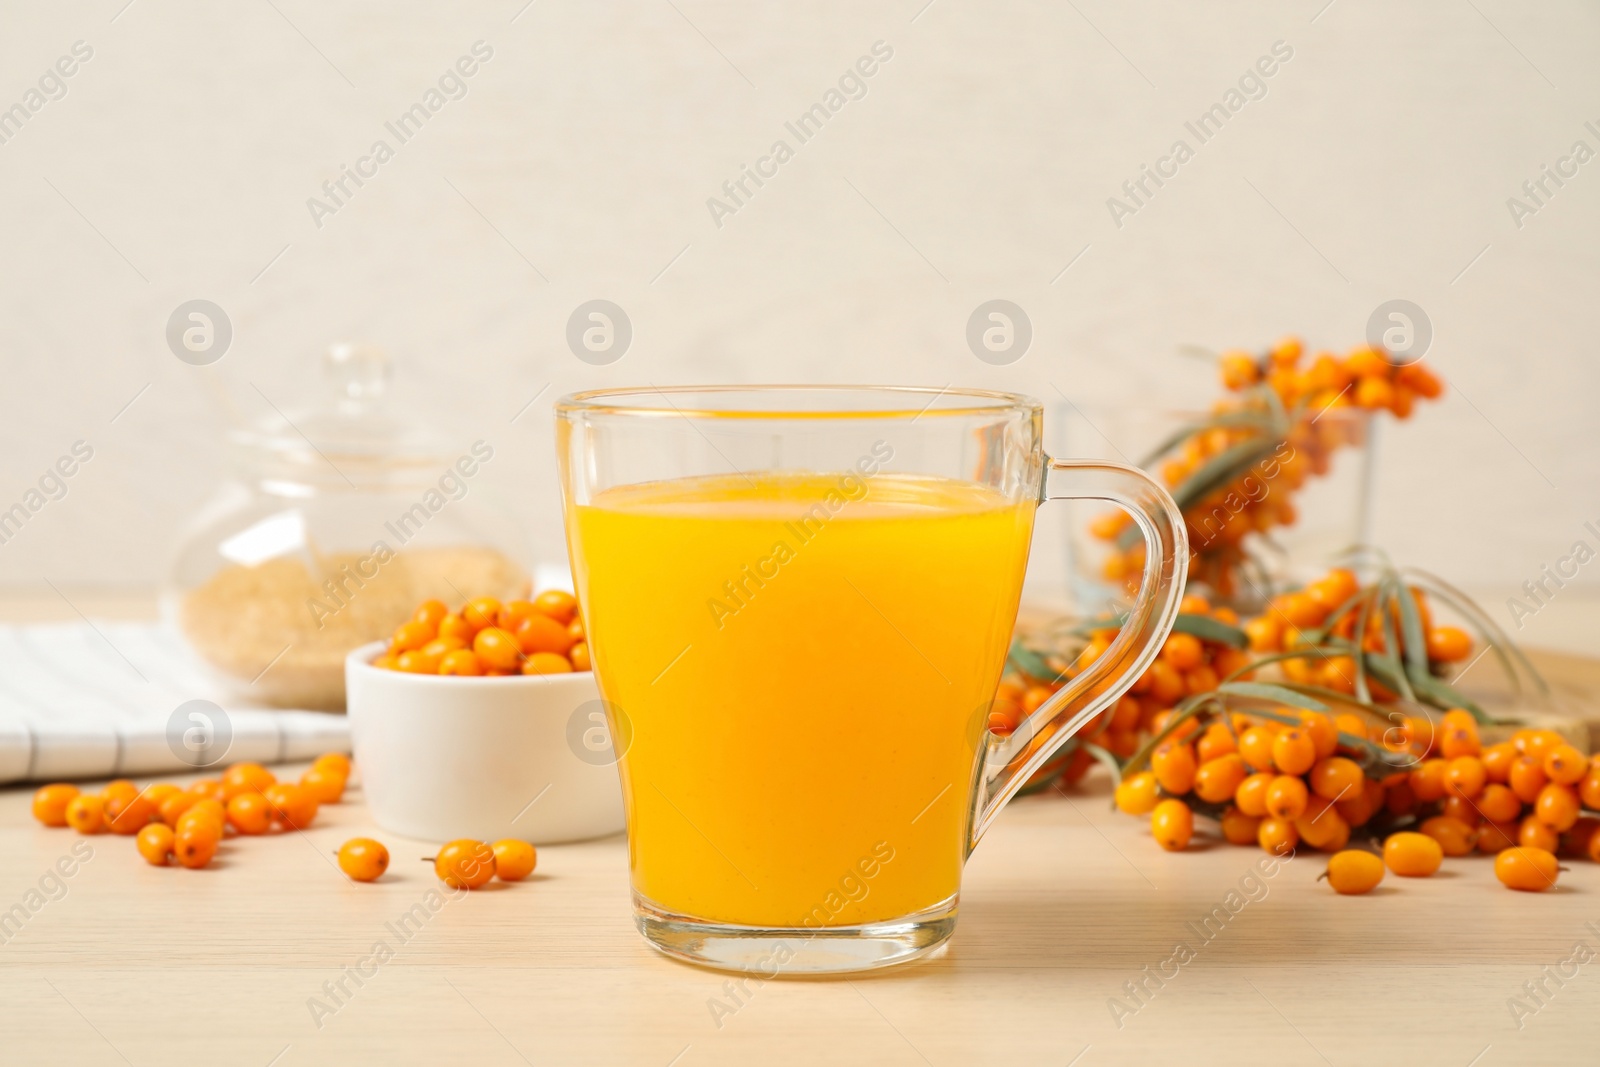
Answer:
[(1234, 473), (544, 635), (1206, 645), (1377, 641)]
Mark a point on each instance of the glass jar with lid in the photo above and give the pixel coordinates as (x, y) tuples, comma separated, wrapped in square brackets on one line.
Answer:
[(339, 519)]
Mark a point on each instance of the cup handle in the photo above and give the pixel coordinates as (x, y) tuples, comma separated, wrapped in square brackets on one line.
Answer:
[(1010, 763)]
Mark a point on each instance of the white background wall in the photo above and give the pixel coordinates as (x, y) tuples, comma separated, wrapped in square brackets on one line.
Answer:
[(978, 165)]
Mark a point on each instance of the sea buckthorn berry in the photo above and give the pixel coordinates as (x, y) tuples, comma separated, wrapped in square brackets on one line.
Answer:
[(1575, 842), (50, 803), (209, 787), (1324, 829), (1447, 644), (1336, 777), (1277, 836), (513, 612), (1217, 741), (1527, 778), (1354, 871), (426, 659), (1498, 803), (362, 859), (1183, 651), (1320, 728), (1255, 745), (1238, 370), (481, 612), (1463, 808), (1251, 796), (497, 649), (1286, 797), (1589, 789), (1557, 806), (1172, 825), (1166, 684), (337, 762), (1530, 869), (155, 843), (245, 778), (462, 663), (1565, 764), (513, 860), (1427, 780), (578, 654), (410, 636), (1174, 766), (1464, 776), (540, 633), (160, 791), (1216, 780), (1454, 836), (1126, 713), (324, 786), (119, 788), (1300, 610), (464, 864), (1496, 837), (176, 805), (1532, 833), (249, 813), (1239, 828), (546, 663), (1458, 741), (1264, 633), (129, 815), (1201, 679), (558, 604), (454, 627), (291, 804), (414, 662), (1497, 761), (1137, 794), (430, 613), (1538, 743), (1004, 716), (86, 813), (1293, 752), (1398, 799), (205, 814), (1412, 855), (194, 848)]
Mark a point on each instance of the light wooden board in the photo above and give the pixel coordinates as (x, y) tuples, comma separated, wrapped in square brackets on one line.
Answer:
[(1063, 903)]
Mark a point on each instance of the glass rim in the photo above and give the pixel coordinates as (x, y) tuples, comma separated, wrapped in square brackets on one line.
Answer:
[(919, 400)]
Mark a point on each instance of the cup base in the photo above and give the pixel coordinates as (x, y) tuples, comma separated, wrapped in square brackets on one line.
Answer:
[(764, 952)]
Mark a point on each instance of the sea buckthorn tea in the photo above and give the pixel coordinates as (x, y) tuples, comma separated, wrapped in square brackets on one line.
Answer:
[(798, 602)]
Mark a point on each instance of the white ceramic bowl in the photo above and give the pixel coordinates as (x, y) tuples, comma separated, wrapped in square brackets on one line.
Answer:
[(446, 757)]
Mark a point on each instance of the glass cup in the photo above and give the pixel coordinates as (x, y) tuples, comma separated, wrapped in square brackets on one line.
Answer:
[(798, 602)]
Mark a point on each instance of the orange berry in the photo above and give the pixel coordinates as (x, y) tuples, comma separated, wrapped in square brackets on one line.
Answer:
[(204, 816), (1427, 780), (1497, 761), (158, 792), (194, 848), (412, 635), (1174, 765), (291, 804), (579, 655), (1251, 796), (1462, 809), (1374, 393), (362, 859), (1498, 803), (1527, 778), (1265, 634), (430, 613), (497, 649), (245, 778), (546, 663), (558, 604), (1137, 794), (1565, 764), (1216, 780), (463, 662), (1277, 836), (1458, 741), (155, 843), (176, 805), (1202, 679), (1299, 610), (1183, 651), (1217, 741), (128, 815), (540, 633), (1532, 833), (455, 628), (1336, 777), (513, 612), (1589, 789), (1454, 836), (1412, 855), (209, 787), (337, 762), (481, 612), (1255, 745), (1238, 370), (513, 860), (1166, 684), (1293, 752), (119, 788), (1287, 797), (1172, 825), (1557, 806), (325, 786), (1239, 828), (86, 813), (1448, 644), (1496, 837), (1354, 871), (249, 813), (1322, 827), (1464, 776), (464, 864), (1530, 869), (50, 803)]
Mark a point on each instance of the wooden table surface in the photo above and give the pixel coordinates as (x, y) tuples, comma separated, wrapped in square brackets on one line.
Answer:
[(1065, 904)]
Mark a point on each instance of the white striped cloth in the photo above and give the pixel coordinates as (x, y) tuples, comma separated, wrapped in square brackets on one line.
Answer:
[(95, 699)]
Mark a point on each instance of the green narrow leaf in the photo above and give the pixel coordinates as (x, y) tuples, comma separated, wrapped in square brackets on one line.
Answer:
[(1223, 468), (1488, 630), (1030, 662), (1106, 759), (1278, 694), (1208, 629)]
